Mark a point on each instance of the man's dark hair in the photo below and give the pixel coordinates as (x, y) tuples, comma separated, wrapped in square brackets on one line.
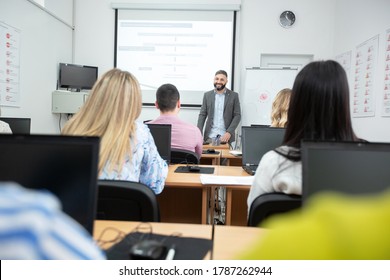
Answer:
[(223, 72), (167, 96)]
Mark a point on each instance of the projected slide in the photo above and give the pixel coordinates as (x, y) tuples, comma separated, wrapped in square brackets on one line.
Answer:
[(183, 53)]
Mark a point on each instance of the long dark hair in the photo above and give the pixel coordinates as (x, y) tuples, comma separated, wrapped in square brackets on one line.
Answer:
[(319, 106)]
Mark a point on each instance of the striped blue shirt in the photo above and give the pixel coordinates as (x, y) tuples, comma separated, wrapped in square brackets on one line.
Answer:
[(218, 125), (33, 227)]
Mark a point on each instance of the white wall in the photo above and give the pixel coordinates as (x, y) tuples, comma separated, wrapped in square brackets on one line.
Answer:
[(323, 28), (259, 32), (44, 42), (368, 18)]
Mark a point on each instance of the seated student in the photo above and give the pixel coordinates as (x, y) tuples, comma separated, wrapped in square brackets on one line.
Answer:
[(4, 127), (280, 108), (127, 149), (330, 227), (33, 227), (185, 136), (318, 110)]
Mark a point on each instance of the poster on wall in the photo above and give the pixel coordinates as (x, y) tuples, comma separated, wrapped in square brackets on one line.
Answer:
[(9, 65), (345, 60), (365, 65), (386, 92)]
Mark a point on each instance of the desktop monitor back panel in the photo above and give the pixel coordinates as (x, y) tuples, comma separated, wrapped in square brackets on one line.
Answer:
[(256, 141), (18, 125), (162, 138), (347, 167), (63, 165)]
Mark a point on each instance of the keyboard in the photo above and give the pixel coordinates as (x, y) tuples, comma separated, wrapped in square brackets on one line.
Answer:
[(250, 169)]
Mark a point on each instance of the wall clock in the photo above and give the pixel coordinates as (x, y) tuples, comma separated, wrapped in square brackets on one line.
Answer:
[(287, 19)]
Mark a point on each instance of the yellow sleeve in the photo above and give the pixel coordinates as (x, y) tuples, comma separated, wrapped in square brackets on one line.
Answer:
[(331, 226)]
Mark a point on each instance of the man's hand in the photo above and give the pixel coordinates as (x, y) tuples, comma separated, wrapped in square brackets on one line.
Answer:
[(226, 137)]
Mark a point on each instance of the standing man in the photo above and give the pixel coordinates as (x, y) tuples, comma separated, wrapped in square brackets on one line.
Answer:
[(221, 108), (185, 136)]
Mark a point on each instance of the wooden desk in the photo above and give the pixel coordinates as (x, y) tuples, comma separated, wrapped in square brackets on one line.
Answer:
[(184, 198), (228, 241), (215, 158), (191, 181), (231, 241), (235, 208), (219, 147), (232, 160)]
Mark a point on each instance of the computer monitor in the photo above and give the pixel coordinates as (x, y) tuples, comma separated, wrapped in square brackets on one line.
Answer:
[(256, 141), (260, 125), (64, 165), (73, 76), (348, 167), (18, 125), (162, 138)]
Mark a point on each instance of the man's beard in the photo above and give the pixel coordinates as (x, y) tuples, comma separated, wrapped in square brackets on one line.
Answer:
[(219, 87)]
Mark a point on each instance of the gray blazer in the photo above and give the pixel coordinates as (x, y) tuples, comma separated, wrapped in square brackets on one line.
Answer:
[(231, 113)]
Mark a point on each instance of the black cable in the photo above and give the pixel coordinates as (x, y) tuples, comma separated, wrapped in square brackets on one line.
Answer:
[(59, 123), (212, 241)]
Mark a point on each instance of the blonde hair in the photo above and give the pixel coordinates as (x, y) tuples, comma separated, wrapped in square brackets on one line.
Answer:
[(110, 112), (280, 108)]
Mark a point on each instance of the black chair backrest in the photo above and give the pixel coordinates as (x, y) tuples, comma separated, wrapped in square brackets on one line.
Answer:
[(271, 203), (184, 156), (18, 125), (126, 201)]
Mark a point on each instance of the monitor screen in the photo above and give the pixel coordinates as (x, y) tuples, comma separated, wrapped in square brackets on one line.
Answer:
[(63, 165), (162, 138), (256, 141), (18, 125), (347, 167), (72, 76)]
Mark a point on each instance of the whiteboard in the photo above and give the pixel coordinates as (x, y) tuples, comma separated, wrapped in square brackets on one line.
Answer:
[(260, 88)]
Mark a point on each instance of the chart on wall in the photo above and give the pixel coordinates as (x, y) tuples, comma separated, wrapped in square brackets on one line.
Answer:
[(9, 65), (386, 93), (363, 87), (260, 88)]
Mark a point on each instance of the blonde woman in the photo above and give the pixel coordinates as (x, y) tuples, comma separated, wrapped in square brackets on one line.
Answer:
[(127, 149), (280, 108)]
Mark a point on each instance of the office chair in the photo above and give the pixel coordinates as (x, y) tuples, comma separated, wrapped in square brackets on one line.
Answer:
[(184, 156), (126, 201), (269, 204)]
